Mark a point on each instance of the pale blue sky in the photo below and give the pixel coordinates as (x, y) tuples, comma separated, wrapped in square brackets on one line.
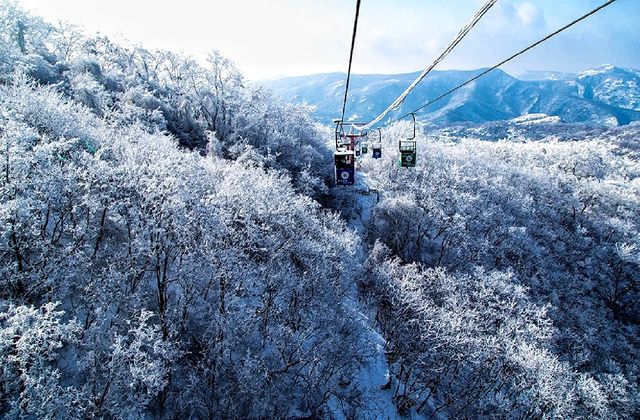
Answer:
[(268, 38)]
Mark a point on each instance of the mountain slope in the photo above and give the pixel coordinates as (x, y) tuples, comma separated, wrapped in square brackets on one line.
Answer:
[(606, 95)]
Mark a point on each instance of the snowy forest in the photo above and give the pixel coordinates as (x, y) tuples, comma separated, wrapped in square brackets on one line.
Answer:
[(172, 245)]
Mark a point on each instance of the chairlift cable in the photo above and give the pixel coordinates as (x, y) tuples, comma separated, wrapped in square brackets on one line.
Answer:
[(353, 42), (535, 44), (458, 38)]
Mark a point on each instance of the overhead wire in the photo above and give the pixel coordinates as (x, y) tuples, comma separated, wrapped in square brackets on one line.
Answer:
[(353, 43), (463, 32), (519, 53)]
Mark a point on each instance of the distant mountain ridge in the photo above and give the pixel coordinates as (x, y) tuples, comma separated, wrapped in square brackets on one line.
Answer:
[(545, 75), (605, 95)]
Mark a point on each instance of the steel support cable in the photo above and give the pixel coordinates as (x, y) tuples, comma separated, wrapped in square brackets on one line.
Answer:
[(463, 32), (353, 43), (519, 53)]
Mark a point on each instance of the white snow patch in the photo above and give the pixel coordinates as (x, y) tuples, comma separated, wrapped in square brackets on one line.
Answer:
[(530, 119), (377, 402), (611, 121), (596, 71)]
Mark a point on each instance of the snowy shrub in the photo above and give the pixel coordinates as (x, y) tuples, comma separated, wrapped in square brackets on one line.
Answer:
[(40, 70), (31, 342), (560, 217), (201, 286)]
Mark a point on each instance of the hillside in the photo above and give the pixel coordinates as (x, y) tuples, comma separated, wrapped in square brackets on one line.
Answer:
[(603, 96), (173, 245)]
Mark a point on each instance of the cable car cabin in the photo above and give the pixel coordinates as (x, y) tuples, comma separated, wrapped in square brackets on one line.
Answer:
[(365, 147), (345, 167), (376, 150), (408, 153)]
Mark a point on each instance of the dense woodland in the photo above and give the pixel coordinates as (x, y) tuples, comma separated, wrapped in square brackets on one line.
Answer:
[(172, 246)]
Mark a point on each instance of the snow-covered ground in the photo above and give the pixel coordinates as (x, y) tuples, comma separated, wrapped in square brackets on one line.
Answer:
[(373, 380), (529, 119)]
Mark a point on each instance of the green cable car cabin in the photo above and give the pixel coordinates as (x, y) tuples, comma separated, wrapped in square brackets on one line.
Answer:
[(408, 153)]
